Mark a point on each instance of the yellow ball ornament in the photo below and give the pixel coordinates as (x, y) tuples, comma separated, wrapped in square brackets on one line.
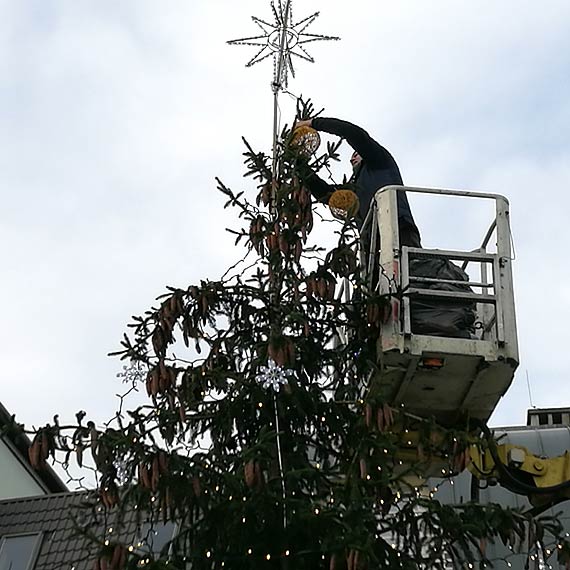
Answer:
[(344, 204), (306, 139)]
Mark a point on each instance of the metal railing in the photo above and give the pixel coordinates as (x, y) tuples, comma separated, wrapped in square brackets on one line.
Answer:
[(491, 292)]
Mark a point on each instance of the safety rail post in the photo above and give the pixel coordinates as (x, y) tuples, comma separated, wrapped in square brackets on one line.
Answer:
[(406, 284), (503, 277), (389, 266), (488, 318)]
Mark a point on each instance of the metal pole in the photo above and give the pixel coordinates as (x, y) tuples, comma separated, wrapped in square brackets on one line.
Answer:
[(276, 88)]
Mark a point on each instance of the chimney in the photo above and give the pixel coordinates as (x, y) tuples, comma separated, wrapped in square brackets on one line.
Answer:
[(548, 417)]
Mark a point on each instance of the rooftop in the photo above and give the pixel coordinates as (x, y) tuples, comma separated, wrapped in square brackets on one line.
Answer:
[(13, 435)]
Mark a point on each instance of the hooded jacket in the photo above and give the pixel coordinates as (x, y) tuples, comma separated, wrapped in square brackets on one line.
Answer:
[(377, 169)]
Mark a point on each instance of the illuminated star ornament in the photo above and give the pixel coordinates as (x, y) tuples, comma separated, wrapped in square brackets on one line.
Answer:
[(283, 40)]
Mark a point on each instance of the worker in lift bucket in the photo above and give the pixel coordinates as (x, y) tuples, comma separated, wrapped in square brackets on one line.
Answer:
[(373, 167)]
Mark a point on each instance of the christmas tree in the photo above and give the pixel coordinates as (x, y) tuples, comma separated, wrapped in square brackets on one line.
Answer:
[(266, 439)]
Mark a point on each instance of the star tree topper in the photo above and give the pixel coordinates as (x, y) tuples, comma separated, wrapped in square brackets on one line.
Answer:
[(282, 40)]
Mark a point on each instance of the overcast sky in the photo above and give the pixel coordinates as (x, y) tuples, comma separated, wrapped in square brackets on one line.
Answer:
[(117, 115)]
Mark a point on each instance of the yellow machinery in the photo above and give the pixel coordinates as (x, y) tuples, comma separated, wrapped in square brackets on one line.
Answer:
[(544, 480)]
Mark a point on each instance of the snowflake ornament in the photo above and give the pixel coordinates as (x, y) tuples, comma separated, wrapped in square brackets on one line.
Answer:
[(273, 375), (123, 473), (134, 373)]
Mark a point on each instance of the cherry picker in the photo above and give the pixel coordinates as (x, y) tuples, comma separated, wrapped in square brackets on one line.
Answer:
[(450, 380)]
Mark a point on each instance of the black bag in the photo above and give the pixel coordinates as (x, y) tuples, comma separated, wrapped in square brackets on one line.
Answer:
[(441, 317)]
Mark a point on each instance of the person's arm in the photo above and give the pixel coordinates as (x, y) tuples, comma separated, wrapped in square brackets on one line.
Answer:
[(356, 137), (320, 189)]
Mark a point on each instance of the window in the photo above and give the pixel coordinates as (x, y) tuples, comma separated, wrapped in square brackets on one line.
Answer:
[(19, 552), (557, 418), (153, 537)]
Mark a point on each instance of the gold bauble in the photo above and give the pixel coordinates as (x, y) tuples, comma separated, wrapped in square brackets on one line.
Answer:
[(306, 139), (344, 203)]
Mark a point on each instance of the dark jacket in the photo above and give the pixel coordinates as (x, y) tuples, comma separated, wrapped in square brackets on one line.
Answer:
[(377, 169)]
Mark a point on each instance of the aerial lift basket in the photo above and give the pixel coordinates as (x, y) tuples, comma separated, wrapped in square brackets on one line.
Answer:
[(438, 376)]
